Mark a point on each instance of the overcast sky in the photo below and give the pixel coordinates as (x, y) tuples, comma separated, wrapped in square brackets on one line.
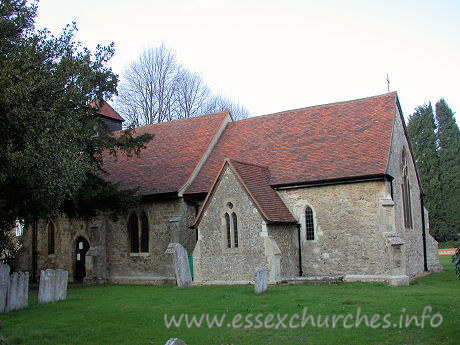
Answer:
[(279, 55)]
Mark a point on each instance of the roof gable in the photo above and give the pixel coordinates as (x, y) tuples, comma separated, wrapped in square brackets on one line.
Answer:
[(254, 180), (168, 161), (104, 109), (327, 142)]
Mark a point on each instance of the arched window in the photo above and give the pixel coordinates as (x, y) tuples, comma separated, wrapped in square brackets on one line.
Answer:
[(229, 233), (133, 231), (51, 239), (309, 224), (144, 233), (235, 229), (138, 232), (231, 227), (407, 207)]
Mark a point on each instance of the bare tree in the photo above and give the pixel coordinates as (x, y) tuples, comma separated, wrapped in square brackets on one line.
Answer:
[(191, 95), (157, 88), (147, 92), (220, 103)]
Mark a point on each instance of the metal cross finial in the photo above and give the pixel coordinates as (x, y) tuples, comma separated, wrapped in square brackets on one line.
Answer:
[(388, 81)]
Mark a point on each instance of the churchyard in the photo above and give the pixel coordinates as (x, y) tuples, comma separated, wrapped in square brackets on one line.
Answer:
[(128, 314)]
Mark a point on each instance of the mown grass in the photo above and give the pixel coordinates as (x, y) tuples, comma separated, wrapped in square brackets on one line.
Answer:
[(120, 314)]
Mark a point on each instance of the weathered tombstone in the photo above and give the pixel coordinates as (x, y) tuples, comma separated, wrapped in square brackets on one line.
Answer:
[(23, 290), (181, 264), (260, 284), (62, 277), (175, 341), (12, 299), (47, 287), (4, 282)]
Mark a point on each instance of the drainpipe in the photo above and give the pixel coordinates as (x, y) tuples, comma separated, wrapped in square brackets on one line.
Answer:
[(425, 264), (300, 251)]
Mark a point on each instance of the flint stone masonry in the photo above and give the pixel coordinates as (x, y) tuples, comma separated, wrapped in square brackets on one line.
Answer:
[(181, 264), (4, 282), (261, 281), (109, 254), (213, 261), (18, 291), (53, 286)]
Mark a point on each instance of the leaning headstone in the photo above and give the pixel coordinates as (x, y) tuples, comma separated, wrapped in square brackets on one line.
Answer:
[(4, 282), (47, 287), (181, 264), (12, 298), (175, 341), (261, 281), (62, 277)]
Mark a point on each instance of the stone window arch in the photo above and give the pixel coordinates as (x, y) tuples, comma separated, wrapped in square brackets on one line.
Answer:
[(138, 233), (133, 231), (144, 233), (51, 234), (309, 224), (231, 226), (405, 188)]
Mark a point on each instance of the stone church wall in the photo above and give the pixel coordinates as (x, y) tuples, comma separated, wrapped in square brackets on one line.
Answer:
[(124, 265), (213, 261), (109, 252), (286, 237), (413, 245), (348, 239)]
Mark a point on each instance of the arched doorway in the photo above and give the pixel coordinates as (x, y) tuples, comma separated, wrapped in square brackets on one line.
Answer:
[(82, 247)]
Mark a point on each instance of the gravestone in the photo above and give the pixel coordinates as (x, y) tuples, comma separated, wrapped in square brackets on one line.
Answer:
[(23, 290), (4, 282), (47, 286), (62, 277), (11, 300), (53, 286), (175, 341), (260, 284), (181, 264)]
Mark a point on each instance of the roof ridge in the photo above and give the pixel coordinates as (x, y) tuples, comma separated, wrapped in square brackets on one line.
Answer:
[(168, 123), (247, 163), (319, 106)]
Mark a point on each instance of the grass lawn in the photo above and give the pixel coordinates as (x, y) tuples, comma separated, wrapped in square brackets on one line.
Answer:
[(121, 314)]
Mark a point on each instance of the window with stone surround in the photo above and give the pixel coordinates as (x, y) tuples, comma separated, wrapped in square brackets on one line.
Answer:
[(309, 224), (405, 187), (51, 238), (231, 226), (138, 232)]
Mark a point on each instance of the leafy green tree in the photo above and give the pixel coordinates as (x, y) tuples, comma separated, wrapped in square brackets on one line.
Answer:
[(421, 128), (50, 154), (448, 136)]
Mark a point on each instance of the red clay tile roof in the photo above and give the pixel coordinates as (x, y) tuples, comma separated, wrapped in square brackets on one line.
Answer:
[(169, 159), (106, 110), (254, 180), (326, 142)]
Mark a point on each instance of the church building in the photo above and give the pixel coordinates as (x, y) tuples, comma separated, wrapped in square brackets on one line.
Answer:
[(324, 192)]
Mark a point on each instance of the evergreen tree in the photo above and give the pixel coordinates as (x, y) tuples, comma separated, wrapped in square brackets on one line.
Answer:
[(50, 155), (448, 136), (421, 129)]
